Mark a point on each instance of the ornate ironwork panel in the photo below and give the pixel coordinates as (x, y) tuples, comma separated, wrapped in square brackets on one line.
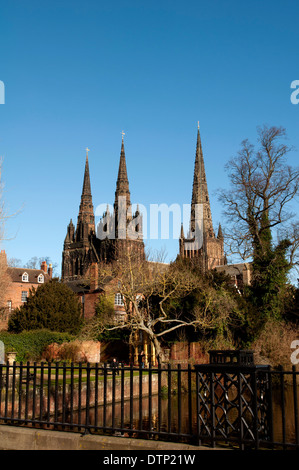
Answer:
[(233, 404)]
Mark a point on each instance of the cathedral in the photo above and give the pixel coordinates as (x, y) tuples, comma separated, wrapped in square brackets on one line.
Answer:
[(87, 246)]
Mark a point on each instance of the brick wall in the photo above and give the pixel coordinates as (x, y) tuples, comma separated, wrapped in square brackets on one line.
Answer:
[(184, 352), (88, 304), (17, 284), (14, 295)]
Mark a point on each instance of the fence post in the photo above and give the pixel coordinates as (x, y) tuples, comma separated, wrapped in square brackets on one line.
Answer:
[(295, 403), (231, 372), (282, 396), (87, 403)]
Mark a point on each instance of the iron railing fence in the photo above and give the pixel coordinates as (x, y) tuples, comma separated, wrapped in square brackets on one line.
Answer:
[(213, 404), (128, 401)]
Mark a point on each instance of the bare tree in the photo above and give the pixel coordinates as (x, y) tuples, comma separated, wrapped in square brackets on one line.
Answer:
[(261, 225), (149, 289), (4, 277), (14, 262), (258, 201)]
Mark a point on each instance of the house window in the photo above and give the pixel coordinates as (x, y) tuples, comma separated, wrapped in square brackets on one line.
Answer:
[(40, 279), (9, 305), (118, 299), (24, 296), (25, 277)]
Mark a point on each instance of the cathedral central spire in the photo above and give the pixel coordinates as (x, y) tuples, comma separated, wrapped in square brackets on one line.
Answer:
[(200, 194), (204, 248), (122, 183)]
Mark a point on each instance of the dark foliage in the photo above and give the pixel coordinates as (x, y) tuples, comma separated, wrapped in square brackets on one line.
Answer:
[(53, 306)]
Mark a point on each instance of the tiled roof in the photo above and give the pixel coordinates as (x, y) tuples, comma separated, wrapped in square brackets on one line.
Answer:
[(17, 273), (233, 269), (79, 287)]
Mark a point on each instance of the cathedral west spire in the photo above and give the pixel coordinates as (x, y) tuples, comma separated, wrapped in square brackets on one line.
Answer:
[(86, 190), (86, 214)]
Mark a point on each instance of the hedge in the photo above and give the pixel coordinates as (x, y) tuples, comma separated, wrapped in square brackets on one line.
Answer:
[(29, 345)]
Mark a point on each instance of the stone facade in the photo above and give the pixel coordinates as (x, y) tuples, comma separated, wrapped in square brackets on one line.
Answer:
[(87, 248)]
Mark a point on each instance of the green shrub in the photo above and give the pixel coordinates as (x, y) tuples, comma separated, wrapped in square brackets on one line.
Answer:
[(52, 306), (29, 345)]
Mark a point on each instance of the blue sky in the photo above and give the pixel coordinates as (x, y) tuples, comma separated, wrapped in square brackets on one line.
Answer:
[(78, 73)]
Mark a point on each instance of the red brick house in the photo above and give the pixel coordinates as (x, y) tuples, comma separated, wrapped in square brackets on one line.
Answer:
[(21, 281)]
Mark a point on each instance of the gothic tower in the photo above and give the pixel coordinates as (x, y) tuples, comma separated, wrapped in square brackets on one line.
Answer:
[(78, 250), (123, 228), (201, 244), (87, 245)]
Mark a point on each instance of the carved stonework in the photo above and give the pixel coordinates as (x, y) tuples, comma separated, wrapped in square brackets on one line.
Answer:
[(84, 247)]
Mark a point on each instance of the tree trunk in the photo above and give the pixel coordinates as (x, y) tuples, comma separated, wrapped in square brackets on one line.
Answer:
[(159, 351)]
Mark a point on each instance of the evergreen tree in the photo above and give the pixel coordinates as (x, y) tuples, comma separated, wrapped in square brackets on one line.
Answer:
[(53, 306)]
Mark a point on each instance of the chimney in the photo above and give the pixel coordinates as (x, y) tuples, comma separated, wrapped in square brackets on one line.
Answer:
[(44, 267), (3, 257), (50, 270), (94, 277)]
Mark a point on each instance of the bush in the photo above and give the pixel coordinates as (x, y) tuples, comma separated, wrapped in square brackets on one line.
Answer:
[(69, 351), (273, 346), (29, 345), (52, 306)]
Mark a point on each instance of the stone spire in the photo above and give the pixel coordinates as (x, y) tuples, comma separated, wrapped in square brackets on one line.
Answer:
[(122, 203), (70, 234), (86, 214), (220, 233), (86, 182), (181, 241), (122, 183), (200, 195)]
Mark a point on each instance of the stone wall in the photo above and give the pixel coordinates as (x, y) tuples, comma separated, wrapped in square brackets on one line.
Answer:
[(76, 351), (54, 402), (184, 352)]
